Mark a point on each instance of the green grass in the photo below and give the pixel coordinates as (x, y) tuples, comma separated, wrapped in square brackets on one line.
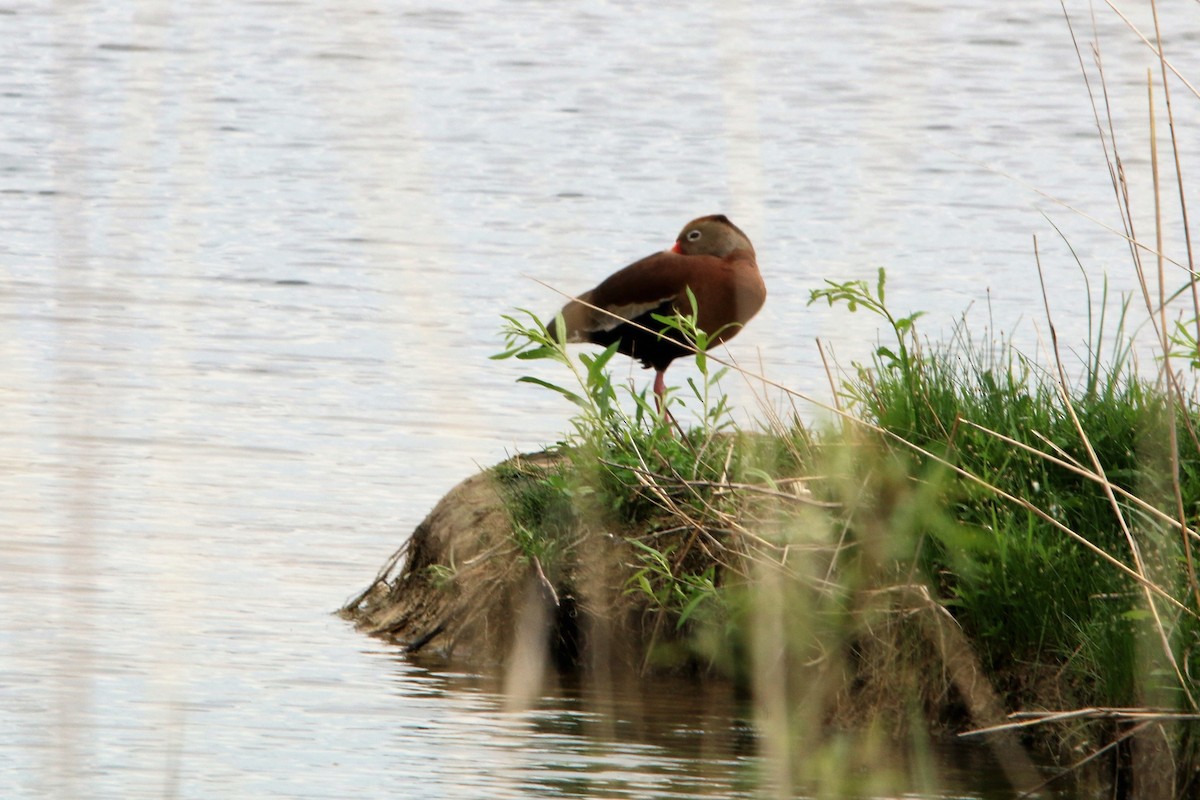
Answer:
[(1027, 594), (961, 472)]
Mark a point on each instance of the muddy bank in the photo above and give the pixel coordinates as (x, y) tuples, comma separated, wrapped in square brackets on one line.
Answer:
[(463, 587)]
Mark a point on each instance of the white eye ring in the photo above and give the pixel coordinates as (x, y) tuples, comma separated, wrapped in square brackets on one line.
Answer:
[(693, 235)]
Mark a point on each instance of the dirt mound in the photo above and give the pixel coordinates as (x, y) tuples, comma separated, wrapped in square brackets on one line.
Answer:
[(428, 594), (462, 586)]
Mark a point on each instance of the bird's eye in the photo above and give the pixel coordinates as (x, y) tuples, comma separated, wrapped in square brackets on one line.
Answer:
[(693, 235)]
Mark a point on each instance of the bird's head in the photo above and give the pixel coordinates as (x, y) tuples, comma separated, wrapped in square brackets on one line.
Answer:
[(712, 236)]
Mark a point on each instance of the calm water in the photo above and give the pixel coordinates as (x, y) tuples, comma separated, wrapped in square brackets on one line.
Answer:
[(252, 261)]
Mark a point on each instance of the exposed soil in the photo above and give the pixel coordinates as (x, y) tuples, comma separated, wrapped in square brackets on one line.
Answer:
[(461, 586)]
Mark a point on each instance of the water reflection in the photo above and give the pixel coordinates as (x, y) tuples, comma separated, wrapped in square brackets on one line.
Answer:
[(663, 738)]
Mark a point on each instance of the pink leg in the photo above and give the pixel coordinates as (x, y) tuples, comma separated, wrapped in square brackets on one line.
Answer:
[(660, 388)]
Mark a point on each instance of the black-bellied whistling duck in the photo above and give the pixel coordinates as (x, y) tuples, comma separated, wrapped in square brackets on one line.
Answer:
[(712, 257)]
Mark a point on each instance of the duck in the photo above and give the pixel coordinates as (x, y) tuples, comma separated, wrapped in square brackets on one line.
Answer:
[(711, 257)]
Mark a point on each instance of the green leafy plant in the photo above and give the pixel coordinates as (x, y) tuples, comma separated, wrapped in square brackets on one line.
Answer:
[(527, 338), (858, 294), (657, 580), (626, 464)]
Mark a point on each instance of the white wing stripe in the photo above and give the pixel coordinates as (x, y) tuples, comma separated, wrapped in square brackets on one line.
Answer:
[(604, 322)]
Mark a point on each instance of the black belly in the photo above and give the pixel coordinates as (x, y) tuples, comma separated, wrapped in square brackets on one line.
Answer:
[(654, 350)]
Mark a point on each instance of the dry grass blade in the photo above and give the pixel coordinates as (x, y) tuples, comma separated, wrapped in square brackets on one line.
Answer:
[(1027, 719), (1083, 472), (1157, 50), (734, 486), (1183, 208), (1090, 757), (1177, 392), (1106, 485)]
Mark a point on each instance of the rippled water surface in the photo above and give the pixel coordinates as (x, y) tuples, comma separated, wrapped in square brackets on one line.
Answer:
[(252, 262)]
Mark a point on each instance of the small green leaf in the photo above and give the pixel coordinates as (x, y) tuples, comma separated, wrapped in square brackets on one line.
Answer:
[(509, 353), (688, 609), (574, 398), (596, 367), (536, 353), (560, 328)]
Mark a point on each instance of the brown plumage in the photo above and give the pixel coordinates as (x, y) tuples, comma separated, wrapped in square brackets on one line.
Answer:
[(711, 256)]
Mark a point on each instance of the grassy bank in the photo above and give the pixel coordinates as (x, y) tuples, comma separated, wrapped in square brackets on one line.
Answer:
[(976, 542)]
